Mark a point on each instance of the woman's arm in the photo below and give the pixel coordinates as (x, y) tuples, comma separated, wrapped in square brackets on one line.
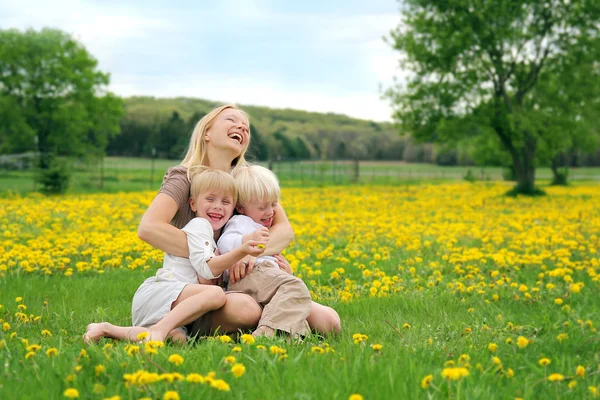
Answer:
[(281, 233), (156, 230)]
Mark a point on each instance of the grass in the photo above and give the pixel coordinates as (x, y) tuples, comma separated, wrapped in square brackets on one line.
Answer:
[(415, 268)]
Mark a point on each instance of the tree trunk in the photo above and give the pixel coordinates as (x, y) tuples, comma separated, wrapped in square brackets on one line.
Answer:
[(524, 164)]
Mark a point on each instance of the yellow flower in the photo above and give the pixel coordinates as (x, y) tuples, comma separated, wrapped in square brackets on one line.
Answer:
[(34, 347), (377, 347), (509, 341), (236, 349), (355, 396), (238, 370), (195, 378), (572, 384), (561, 337), (175, 359), (6, 326), (71, 393), (522, 342), (426, 382), (142, 335), (260, 246), (593, 391), (46, 332), (544, 362), (556, 377), (132, 349), (580, 371), (171, 395), (247, 339), (115, 397), (19, 299), (406, 326), (558, 301), (99, 369), (509, 373), (220, 384), (493, 347), (229, 359), (317, 349), (277, 350), (29, 355), (359, 338), (496, 361), (51, 352), (454, 374), (261, 347), (224, 339)]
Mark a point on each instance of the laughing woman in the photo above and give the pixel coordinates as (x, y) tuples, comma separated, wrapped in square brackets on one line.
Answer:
[(219, 141)]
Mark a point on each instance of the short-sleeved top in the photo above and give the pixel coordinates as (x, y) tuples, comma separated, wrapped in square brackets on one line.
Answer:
[(234, 230), (202, 247), (177, 186)]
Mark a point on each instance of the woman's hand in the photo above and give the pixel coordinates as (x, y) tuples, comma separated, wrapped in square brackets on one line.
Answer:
[(283, 264), (241, 269)]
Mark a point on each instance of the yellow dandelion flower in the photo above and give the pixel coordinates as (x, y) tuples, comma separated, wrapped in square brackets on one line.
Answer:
[(238, 370), (593, 391), (99, 369), (544, 362), (492, 347), (34, 347), (355, 396), (377, 347), (509, 341), (71, 393), (224, 339), (247, 339), (562, 336), (556, 377), (142, 335), (220, 384), (426, 382), (454, 374), (509, 373), (277, 350), (522, 342), (317, 349), (572, 384), (261, 347), (496, 361), (558, 301), (580, 371), (29, 355), (19, 299), (406, 326), (6, 326), (51, 352), (171, 395), (236, 349), (46, 332), (175, 359), (282, 357)]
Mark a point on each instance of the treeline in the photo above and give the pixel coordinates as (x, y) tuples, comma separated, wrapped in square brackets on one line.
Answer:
[(162, 128)]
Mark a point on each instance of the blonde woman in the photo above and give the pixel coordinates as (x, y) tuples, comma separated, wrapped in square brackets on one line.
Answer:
[(219, 141)]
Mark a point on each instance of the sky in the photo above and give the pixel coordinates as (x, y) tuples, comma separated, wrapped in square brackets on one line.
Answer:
[(325, 56)]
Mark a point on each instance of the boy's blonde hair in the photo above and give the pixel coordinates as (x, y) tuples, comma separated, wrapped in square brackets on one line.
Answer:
[(196, 156), (255, 183), (207, 179)]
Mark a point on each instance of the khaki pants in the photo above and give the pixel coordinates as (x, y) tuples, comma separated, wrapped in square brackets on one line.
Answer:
[(285, 298)]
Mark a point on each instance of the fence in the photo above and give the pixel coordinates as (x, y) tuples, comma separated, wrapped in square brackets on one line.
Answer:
[(114, 174)]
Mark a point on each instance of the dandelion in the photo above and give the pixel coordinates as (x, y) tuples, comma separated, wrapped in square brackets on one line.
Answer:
[(260, 347), (377, 347), (580, 371), (171, 395), (71, 393), (220, 384), (33, 347), (497, 361), (142, 335), (195, 378), (29, 355), (355, 396), (561, 337), (229, 359), (175, 359), (224, 339), (19, 299), (236, 349), (277, 350), (359, 338), (509, 341), (51, 352), (406, 326), (317, 349), (492, 347), (544, 362), (238, 370), (522, 342), (593, 391), (247, 339), (572, 384), (426, 382), (454, 374), (509, 373), (558, 301), (99, 369), (556, 377), (6, 326), (46, 332)]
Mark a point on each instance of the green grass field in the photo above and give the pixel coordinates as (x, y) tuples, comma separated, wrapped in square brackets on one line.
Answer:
[(444, 291)]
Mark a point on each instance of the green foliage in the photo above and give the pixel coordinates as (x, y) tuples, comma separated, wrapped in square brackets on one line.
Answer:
[(482, 68), (55, 178), (56, 98)]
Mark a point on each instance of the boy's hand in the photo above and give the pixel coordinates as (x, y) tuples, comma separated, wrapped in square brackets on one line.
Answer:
[(241, 269), (253, 248), (283, 264), (261, 235)]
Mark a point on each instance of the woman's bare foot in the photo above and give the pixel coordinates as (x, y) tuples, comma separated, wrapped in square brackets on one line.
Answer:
[(264, 331), (95, 332)]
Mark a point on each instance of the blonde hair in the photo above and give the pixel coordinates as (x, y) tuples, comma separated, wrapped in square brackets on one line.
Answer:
[(255, 183), (196, 156), (207, 179)]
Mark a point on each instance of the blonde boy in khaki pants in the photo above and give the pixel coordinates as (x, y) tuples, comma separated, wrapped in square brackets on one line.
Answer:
[(285, 299)]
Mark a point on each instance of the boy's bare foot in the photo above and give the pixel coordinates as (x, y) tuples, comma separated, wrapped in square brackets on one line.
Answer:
[(95, 332), (264, 331)]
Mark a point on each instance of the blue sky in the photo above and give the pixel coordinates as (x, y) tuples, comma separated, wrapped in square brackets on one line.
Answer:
[(312, 55)]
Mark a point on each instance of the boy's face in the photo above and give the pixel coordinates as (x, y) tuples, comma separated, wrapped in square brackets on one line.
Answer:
[(215, 206), (261, 212)]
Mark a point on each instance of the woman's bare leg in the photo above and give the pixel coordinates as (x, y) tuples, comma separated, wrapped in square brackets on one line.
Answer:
[(193, 302), (240, 312), (324, 320)]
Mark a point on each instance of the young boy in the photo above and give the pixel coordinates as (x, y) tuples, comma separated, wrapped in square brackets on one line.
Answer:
[(285, 298), (165, 303)]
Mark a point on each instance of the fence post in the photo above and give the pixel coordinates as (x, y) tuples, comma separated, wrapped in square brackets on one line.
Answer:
[(102, 172), (356, 172)]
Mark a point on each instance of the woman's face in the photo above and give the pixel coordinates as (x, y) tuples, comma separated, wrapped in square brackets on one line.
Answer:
[(230, 131)]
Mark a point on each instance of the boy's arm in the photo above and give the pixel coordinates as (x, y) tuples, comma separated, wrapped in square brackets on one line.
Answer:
[(281, 233), (199, 237)]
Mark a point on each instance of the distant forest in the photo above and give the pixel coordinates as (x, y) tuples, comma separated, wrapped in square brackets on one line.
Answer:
[(166, 124)]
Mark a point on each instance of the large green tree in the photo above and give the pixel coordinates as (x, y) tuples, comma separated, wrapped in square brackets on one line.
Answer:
[(56, 96), (475, 68)]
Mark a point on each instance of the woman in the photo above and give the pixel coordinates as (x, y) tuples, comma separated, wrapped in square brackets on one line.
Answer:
[(220, 140)]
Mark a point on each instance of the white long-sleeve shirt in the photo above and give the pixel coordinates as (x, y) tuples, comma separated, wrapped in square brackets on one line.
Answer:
[(234, 230), (202, 247)]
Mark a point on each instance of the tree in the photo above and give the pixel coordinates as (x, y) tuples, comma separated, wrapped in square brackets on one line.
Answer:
[(476, 64), (58, 95)]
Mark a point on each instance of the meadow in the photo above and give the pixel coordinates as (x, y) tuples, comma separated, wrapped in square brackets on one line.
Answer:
[(446, 290)]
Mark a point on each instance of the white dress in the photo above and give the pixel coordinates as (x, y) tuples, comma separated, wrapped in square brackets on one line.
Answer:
[(153, 299)]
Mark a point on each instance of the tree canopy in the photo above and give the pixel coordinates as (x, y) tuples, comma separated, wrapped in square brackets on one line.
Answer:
[(524, 72)]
